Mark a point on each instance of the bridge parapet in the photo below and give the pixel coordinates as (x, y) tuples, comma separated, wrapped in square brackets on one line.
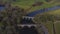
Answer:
[(29, 25), (27, 17)]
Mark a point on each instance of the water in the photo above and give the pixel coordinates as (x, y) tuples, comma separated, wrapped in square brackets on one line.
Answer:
[(2, 7), (32, 14)]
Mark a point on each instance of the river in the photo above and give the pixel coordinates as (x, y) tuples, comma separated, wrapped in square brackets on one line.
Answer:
[(33, 13), (2, 7)]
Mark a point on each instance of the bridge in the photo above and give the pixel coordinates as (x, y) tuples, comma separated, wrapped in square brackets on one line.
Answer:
[(27, 17), (27, 21), (29, 25)]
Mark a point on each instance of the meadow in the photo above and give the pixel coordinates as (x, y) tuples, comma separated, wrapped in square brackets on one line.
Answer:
[(57, 24), (49, 24), (28, 3)]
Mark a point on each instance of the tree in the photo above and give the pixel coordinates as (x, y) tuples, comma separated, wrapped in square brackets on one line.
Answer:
[(12, 16), (44, 18)]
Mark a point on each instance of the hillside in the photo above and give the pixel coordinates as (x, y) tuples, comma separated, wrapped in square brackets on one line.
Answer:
[(28, 3)]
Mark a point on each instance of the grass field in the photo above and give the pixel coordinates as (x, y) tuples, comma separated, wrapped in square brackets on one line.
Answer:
[(57, 25), (49, 25), (54, 12), (27, 4)]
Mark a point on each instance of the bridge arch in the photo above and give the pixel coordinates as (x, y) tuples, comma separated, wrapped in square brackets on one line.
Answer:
[(27, 30)]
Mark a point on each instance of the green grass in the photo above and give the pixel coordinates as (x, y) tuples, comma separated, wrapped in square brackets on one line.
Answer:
[(0, 24), (49, 24), (57, 27), (27, 3), (54, 12), (49, 27)]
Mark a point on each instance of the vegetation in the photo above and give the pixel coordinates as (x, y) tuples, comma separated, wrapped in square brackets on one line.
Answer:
[(48, 19), (57, 24), (28, 3), (57, 27), (14, 11), (9, 17)]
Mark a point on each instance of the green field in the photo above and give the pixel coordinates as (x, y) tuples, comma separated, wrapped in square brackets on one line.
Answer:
[(57, 28), (28, 3), (50, 27), (49, 24), (54, 12), (57, 25)]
